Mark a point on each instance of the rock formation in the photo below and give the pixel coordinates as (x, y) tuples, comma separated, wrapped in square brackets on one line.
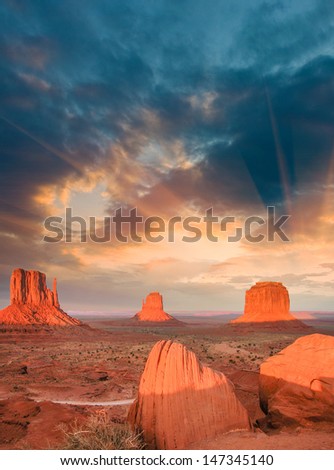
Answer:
[(153, 310), (32, 302), (298, 383), (180, 401), (267, 302)]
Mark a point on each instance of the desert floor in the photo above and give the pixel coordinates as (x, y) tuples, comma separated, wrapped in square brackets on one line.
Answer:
[(103, 361)]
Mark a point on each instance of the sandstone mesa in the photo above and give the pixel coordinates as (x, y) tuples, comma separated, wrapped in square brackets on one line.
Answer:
[(32, 303), (267, 302), (180, 401)]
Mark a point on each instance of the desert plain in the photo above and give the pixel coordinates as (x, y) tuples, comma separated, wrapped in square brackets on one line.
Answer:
[(43, 369)]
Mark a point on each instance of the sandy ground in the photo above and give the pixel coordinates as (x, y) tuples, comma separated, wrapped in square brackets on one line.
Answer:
[(52, 376)]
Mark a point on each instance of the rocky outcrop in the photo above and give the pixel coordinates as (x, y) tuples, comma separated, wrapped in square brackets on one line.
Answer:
[(153, 310), (32, 302), (180, 401), (298, 383), (267, 302), (29, 288)]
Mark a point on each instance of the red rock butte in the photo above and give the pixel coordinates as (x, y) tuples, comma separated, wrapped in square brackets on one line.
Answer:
[(153, 310), (32, 303), (266, 302), (297, 384), (181, 402)]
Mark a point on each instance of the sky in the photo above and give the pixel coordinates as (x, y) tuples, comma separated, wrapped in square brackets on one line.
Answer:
[(172, 107)]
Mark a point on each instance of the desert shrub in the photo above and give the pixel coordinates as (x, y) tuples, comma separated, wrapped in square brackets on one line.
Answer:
[(99, 433)]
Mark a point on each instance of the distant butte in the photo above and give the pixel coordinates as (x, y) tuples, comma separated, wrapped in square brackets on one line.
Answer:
[(268, 303), (32, 303), (153, 311)]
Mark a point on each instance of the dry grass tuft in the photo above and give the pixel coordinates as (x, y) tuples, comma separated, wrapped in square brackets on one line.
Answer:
[(99, 433)]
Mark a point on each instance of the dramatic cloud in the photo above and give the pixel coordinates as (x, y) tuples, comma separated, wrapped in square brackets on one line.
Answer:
[(169, 106)]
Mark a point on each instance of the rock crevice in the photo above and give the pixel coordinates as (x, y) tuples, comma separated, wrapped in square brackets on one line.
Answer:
[(298, 383)]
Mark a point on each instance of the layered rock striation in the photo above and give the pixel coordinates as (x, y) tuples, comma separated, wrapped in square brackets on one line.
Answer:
[(180, 401)]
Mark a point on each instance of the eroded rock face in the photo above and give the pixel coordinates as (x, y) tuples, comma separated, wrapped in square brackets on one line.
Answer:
[(32, 302), (297, 384), (180, 401), (29, 288), (266, 302), (153, 310)]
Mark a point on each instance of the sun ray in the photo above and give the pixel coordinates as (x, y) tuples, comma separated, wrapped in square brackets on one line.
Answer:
[(280, 156), (75, 165)]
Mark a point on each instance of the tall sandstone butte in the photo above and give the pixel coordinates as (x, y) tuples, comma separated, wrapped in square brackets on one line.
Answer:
[(180, 401), (32, 303), (267, 302), (153, 310), (297, 384)]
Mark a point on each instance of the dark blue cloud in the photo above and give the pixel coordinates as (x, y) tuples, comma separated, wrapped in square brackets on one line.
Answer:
[(77, 75)]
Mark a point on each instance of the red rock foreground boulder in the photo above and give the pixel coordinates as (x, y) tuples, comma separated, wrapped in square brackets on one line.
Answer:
[(153, 310), (180, 401), (33, 303), (267, 302), (297, 384)]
